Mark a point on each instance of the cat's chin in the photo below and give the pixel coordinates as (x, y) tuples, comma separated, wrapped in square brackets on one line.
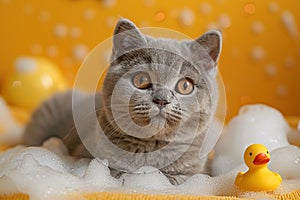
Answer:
[(158, 122)]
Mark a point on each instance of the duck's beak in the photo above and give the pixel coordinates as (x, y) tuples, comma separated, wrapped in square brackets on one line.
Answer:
[(261, 159)]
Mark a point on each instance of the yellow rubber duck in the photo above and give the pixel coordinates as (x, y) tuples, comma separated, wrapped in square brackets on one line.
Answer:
[(258, 177)]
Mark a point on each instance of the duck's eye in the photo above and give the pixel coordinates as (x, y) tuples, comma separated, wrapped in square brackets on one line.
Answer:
[(267, 152), (141, 80), (184, 86), (250, 154)]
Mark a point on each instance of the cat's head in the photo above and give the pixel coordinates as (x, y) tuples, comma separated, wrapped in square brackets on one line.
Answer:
[(154, 85)]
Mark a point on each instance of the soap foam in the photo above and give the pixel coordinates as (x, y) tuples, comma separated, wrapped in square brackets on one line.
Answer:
[(10, 130), (254, 124), (49, 172), (46, 175)]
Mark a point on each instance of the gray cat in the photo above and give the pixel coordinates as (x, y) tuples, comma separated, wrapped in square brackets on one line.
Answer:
[(157, 101)]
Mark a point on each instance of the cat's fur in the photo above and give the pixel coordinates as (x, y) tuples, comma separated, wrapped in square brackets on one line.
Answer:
[(186, 116)]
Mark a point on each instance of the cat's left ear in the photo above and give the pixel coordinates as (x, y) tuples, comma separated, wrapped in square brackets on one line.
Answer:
[(211, 41), (127, 37)]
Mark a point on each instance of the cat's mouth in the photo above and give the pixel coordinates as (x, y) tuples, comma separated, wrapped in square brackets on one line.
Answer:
[(158, 112), (156, 115), (161, 113)]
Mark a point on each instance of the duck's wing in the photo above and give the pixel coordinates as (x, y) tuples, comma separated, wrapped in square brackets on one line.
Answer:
[(238, 178), (278, 176)]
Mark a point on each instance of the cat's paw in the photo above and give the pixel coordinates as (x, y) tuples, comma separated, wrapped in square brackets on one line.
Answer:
[(177, 179)]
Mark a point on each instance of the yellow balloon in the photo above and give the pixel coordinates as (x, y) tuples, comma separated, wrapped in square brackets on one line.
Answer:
[(31, 81)]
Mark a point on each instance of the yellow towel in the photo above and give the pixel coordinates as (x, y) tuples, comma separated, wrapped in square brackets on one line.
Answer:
[(14, 197), (295, 195)]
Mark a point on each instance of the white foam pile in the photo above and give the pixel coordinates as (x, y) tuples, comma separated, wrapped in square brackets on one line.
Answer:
[(48, 172), (10, 130), (44, 174), (254, 124)]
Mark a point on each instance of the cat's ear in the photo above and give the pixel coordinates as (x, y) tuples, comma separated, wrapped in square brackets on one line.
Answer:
[(211, 41), (127, 37)]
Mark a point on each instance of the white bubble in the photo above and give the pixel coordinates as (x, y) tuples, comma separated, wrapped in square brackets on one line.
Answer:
[(205, 8), (108, 3), (205, 185), (271, 70), (224, 21), (192, 185), (286, 162), (80, 51), (47, 81), (78, 167), (288, 21), (257, 27), (258, 53), (25, 65), (10, 130), (89, 14), (60, 30), (147, 178), (98, 170), (273, 7), (187, 17)]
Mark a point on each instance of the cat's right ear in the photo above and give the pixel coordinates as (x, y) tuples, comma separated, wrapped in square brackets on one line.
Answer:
[(126, 37)]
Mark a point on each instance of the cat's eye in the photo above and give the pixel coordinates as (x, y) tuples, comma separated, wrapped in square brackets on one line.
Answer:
[(185, 86), (141, 80)]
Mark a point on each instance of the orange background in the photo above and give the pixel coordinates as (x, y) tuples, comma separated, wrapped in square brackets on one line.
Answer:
[(260, 61)]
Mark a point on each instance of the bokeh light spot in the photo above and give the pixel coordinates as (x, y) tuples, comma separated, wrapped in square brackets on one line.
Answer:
[(160, 16), (249, 8)]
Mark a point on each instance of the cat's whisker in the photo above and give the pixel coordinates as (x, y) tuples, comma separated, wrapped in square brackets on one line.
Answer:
[(126, 129), (174, 118), (176, 112), (110, 123), (130, 161), (115, 106)]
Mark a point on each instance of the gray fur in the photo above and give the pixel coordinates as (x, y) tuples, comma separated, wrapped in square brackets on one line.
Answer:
[(186, 116)]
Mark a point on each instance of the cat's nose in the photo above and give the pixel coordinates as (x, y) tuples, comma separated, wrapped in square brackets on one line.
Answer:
[(161, 103), (161, 97)]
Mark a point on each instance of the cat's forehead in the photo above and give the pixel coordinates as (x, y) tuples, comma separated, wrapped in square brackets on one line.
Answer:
[(167, 44), (163, 59), (172, 54)]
